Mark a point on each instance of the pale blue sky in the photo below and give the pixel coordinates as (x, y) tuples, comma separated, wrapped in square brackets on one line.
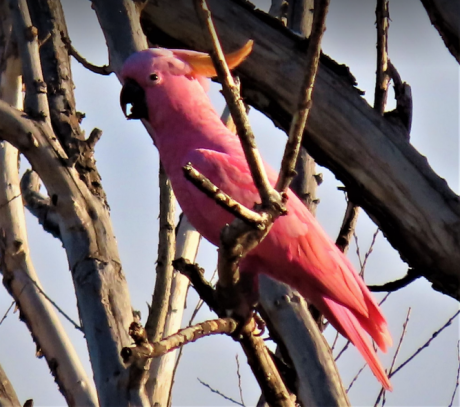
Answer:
[(128, 163)]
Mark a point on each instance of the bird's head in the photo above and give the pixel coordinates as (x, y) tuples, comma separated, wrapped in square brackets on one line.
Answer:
[(150, 71)]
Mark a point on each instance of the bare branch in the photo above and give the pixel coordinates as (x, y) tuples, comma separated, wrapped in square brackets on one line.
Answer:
[(58, 308), (221, 198), (391, 286), (381, 84), (348, 226), (304, 104), (425, 345), (166, 252), (163, 369), (100, 70), (356, 377), (8, 397), (7, 312), (403, 95), (36, 102), (237, 109), (19, 275), (195, 274), (144, 349), (458, 376), (239, 379), (395, 356), (444, 15), (39, 205), (219, 393)]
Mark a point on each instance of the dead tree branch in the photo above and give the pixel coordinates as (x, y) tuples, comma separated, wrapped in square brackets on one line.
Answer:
[(158, 309), (145, 349), (391, 286), (221, 198), (162, 369), (100, 70), (39, 205), (304, 104), (444, 15), (8, 397)]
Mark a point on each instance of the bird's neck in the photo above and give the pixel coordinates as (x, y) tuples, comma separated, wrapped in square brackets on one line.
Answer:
[(184, 120)]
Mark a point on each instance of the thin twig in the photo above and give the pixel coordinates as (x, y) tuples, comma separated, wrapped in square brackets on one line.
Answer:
[(7, 312), (221, 198), (348, 226), (345, 347), (384, 299), (100, 70), (369, 251), (395, 356), (458, 376), (237, 109), (403, 96), (382, 80), (395, 285), (425, 345), (59, 309), (239, 379), (298, 123), (219, 393), (335, 341), (356, 377)]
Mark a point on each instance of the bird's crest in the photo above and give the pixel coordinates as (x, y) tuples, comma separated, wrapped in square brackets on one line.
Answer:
[(201, 63)]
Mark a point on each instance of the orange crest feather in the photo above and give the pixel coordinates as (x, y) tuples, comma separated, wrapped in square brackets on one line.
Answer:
[(201, 63)]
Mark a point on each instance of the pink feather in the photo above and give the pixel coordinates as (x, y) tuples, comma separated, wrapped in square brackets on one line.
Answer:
[(296, 251)]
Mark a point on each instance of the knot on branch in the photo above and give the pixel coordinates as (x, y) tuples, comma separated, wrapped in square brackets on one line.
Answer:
[(31, 33)]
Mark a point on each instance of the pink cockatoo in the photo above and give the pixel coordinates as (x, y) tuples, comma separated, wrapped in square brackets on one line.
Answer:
[(168, 88)]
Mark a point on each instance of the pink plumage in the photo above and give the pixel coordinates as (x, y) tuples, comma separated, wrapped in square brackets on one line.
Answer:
[(296, 251)]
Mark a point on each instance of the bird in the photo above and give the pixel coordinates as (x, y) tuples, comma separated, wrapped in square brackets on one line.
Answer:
[(168, 88)]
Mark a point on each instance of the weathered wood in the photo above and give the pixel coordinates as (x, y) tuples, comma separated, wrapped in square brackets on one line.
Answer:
[(445, 16), (384, 174), (8, 397), (318, 382)]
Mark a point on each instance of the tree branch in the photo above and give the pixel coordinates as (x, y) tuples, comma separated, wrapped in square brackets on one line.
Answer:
[(304, 104), (164, 271), (19, 276), (36, 101), (100, 70), (38, 204), (444, 15), (144, 349), (8, 397), (162, 369), (343, 129), (410, 277), (221, 198)]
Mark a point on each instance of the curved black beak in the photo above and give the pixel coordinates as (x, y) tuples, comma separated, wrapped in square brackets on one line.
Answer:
[(133, 95)]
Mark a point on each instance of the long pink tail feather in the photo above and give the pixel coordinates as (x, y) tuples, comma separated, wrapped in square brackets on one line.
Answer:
[(355, 329)]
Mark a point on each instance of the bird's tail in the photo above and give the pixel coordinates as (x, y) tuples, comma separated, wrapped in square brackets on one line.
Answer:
[(356, 331)]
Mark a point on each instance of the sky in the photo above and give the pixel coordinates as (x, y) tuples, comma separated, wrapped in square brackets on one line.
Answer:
[(128, 163)]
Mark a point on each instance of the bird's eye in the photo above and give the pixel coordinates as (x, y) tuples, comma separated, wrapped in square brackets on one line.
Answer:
[(153, 77)]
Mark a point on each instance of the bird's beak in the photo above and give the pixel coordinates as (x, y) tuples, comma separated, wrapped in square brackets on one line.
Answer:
[(133, 95)]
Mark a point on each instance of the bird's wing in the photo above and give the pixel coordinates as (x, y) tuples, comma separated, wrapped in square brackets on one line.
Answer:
[(296, 241)]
